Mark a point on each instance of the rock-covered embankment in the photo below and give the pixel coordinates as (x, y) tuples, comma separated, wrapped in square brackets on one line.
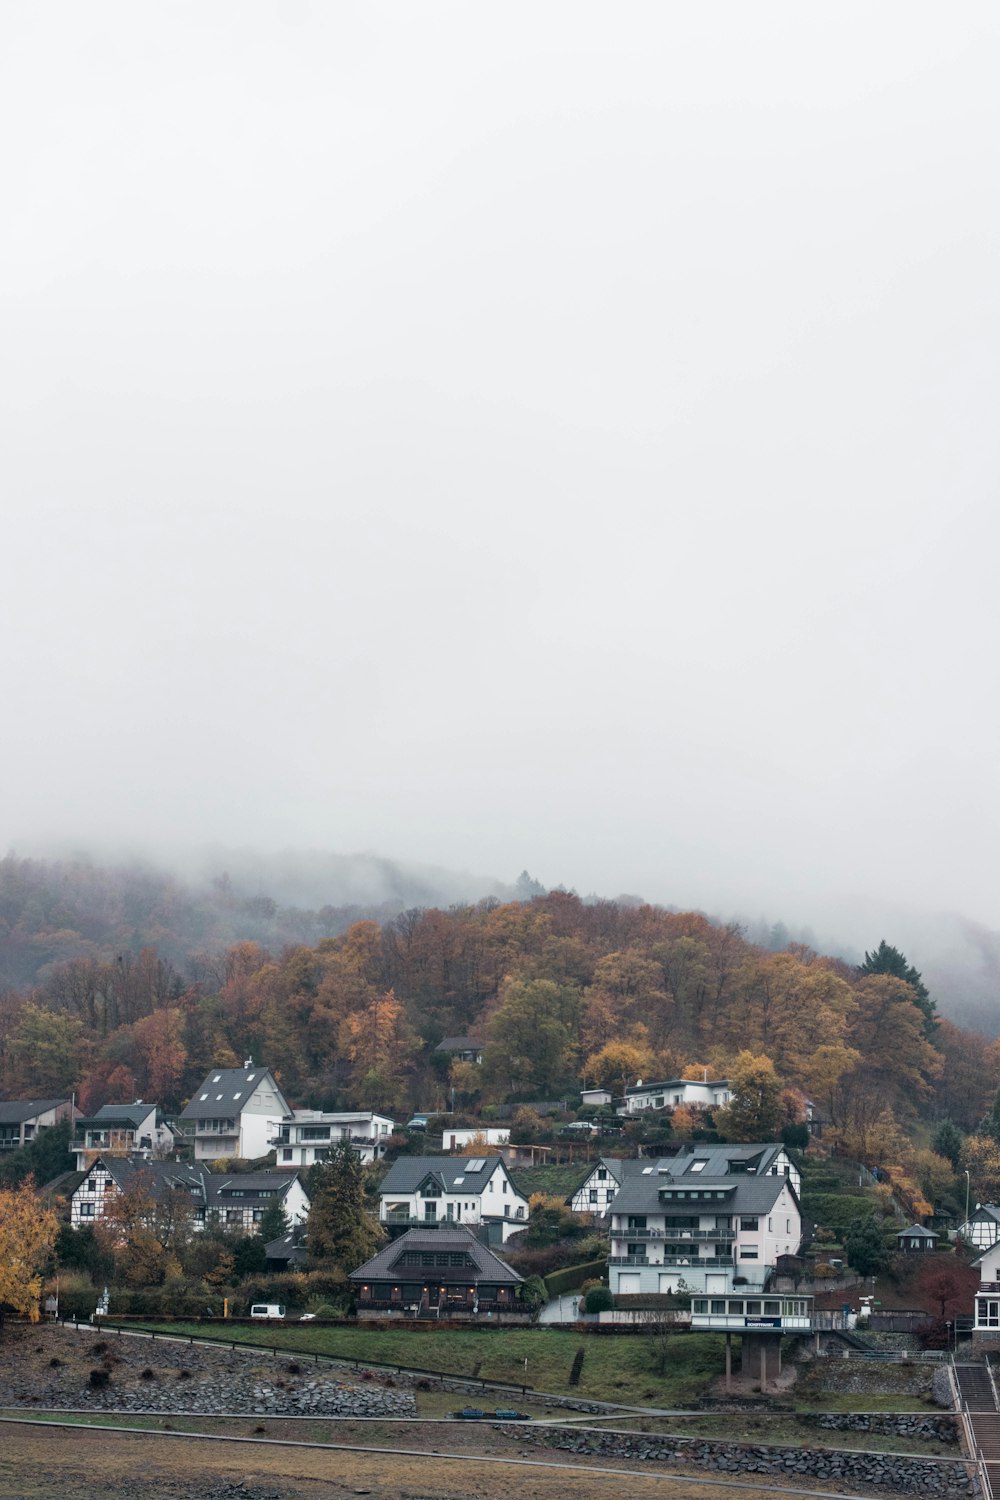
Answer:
[(913, 1476), (50, 1368)]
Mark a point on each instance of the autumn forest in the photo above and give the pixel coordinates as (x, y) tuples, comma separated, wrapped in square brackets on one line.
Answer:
[(119, 989)]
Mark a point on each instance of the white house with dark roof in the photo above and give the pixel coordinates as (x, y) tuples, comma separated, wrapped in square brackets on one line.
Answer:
[(235, 1112), (981, 1228), (714, 1217), (236, 1202), (120, 1129), (435, 1191), (986, 1324), (598, 1188), (22, 1119), (307, 1136), (695, 1093)]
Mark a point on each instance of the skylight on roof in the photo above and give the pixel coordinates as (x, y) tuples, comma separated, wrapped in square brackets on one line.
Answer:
[(698, 1165), (217, 1078), (218, 1096), (459, 1181), (648, 1171), (251, 1077), (238, 1093), (476, 1164)]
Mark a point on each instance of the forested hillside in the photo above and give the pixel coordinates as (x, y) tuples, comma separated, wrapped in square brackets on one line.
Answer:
[(559, 990)]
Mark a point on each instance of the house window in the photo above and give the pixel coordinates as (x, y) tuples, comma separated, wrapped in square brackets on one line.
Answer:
[(770, 1226), (234, 1216), (748, 1252), (749, 1223), (520, 1213), (592, 1195), (718, 1304), (87, 1210), (602, 1174), (287, 1155)]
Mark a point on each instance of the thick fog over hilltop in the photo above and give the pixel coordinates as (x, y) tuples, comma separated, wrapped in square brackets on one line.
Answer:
[(544, 436)]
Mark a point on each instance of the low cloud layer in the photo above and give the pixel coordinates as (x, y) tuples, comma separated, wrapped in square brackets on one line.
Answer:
[(547, 439)]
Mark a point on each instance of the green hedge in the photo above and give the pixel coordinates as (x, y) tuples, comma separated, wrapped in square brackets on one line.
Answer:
[(570, 1277)]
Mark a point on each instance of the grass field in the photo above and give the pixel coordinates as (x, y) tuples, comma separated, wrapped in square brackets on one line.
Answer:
[(614, 1369)]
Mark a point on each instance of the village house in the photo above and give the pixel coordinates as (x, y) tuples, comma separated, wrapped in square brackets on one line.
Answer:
[(981, 1228), (714, 1218), (598, 1188), (306, 1136), (234, 1113), (445, 1190), (236, 1202), (445, 1272), (986, 1323), (467, 1049), (22, 1119), (695, 1093), (120, 1130)]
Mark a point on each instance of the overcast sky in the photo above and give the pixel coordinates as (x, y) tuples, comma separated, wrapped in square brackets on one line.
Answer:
[(558, 435)]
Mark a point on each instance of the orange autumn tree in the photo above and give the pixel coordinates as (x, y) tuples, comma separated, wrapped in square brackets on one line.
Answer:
[(380, 1047), (27, 1235)]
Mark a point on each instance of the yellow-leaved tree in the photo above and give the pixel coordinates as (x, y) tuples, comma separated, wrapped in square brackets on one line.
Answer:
[(27, 1233)]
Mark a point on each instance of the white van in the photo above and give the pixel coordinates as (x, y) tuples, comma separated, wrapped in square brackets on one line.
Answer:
[(267, 1310)]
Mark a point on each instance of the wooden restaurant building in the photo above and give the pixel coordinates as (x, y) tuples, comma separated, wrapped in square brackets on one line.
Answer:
[(439, 1273)]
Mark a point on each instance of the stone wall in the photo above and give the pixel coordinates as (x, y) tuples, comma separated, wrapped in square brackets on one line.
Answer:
[(898, 1472)]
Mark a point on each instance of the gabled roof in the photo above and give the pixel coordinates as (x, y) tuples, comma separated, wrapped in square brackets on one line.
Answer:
[(618, 1167), (162, 1176), (225, 1091), (134, 1114), (17, 1111), (486, 1266), (751, 1192), (984, 1211), (460, 1044), (453, 1173), (253, 1187), (916, 1232), (290, 1247)]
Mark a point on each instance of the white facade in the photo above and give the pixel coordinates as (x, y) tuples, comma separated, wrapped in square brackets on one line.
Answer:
[(676, 1091), (234, 1113), (595, 1193), (981, 1228), (121, 1129), (461, 1138), (306, 1136), (706, 1217), (986, 1326), (441, 1190), (237, 1203)]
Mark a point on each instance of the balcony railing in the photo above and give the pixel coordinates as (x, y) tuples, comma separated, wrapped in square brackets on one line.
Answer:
[(696, 1262), (718, 1235)]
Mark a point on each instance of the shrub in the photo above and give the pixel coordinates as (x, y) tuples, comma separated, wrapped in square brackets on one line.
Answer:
[(99, 1378), (599, 1300)]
